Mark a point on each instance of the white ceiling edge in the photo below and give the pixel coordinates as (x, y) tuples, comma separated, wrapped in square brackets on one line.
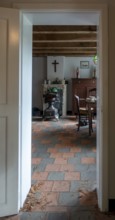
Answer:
[(63, 18)]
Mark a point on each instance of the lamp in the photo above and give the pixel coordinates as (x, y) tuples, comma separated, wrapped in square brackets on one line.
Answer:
[(95, 59)]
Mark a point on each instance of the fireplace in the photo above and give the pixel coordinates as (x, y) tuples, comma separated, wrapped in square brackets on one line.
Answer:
[(51, 111), (60, 102)]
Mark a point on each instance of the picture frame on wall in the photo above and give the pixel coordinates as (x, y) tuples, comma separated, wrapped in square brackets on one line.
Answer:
[(84, 64)]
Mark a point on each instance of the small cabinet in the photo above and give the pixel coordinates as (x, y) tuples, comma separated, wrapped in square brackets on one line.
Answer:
[(81, 87)]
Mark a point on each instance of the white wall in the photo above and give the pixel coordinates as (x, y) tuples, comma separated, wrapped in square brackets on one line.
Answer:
[(69, 69), (71, 64), (55, 70), (39, 67), (26, 110)]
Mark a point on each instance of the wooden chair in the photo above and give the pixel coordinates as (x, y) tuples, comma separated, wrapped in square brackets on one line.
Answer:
[(83, 115), (93, 92)]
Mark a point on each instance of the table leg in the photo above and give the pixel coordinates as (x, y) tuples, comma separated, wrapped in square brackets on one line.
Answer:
[(90, 123)]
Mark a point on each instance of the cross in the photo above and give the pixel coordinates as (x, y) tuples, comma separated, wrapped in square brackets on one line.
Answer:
[(55, 63)]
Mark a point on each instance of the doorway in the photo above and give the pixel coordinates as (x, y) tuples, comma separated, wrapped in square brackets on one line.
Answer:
[(100, 163)]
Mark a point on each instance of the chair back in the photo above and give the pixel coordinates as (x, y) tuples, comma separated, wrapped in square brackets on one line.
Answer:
[(77, 103), (93, 92)]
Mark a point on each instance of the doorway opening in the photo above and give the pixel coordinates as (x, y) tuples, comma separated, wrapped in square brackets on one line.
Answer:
[(65, 156), (98, 85)]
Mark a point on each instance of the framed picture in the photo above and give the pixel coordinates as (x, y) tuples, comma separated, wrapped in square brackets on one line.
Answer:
[(84, 64)]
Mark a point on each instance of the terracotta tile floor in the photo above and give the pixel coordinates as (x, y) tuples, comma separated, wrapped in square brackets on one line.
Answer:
[(63, 162), (64, 171)]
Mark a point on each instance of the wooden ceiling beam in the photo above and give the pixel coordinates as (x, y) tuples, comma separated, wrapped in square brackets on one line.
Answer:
[(66, 40), (67, 49), (65, 44), (53, 28), (65, 52), (62, 32), (64, 48), (65, 37)]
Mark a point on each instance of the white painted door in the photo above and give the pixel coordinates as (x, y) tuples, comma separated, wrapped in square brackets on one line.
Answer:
[(9, 111), (102, 112)]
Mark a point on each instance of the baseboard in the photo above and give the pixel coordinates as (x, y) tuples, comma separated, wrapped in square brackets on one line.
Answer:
[(111, 205), (37, 118)]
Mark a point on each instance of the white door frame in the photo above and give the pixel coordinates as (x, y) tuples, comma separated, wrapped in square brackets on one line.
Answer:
[(102, 135)]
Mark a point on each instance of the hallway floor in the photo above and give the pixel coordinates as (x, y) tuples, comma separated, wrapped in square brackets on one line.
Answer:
[(63, 173), (63, 162)]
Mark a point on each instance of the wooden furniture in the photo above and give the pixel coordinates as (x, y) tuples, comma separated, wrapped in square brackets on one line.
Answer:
[(91, 103), (84, 114), (81, 113), (93, 93), (81, 87)]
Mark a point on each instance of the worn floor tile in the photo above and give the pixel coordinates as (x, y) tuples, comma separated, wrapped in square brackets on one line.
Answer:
[(72, 176), (61, 186), (69, 199), (56, 175), (33, 216), (57, 216), (88, 160), (67, 167), (53, 167), (45, 186), (40, 175), (61, 161)]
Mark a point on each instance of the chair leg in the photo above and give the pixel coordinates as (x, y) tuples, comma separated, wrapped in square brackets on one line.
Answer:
[(79, 123), (78, 119), (91, 123)]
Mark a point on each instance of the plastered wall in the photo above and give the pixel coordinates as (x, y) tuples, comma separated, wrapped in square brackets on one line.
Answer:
[(40, 73)]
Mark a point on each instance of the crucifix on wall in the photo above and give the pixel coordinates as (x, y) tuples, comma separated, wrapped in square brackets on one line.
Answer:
[(55, 63)]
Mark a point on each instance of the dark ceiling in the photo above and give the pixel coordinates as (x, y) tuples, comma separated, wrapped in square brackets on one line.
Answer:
[(64, 40)]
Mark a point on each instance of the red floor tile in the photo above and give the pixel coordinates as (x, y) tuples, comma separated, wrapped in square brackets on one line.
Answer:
[(60, 161), (51, 198), (61, 186), (36, 160), (75, 149), (88, 160), (52, 150), (45, 141), (52, 167), (72, 176), (67, 155), (56, 209), (40, 176), (46, 186), (67, 167), (56, 155)]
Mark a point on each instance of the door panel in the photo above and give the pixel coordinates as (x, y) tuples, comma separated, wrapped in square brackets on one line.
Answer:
[(9, 111), (3, 159), (3, 59)]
